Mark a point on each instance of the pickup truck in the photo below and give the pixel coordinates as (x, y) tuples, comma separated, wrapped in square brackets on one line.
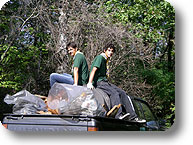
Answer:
[(60, 123)]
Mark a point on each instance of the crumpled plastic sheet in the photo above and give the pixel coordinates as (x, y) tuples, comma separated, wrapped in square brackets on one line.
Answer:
[(73, 100), (25, 103)]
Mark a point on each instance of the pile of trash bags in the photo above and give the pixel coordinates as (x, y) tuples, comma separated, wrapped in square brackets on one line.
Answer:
[(63, 98), (25, 103)]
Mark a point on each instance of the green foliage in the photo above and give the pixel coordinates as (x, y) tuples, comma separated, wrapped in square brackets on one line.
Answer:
[(152, 19), (18, 66), (163, 93), (25, 57), (170, 117)]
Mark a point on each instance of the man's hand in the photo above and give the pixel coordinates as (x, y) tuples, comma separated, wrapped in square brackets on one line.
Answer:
[(90, 86)]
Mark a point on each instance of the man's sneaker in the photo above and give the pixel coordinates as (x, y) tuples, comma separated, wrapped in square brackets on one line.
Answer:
[(139, 120), (125, 116)]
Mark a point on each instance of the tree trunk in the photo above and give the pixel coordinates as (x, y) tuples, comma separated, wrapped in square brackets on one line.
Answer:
[(170, 47)]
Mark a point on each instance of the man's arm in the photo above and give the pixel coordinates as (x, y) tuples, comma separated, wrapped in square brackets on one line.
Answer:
[(89, 85), (92, 74), (76, 76)]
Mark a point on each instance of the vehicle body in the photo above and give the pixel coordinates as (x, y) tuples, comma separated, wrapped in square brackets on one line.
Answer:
[(58, 123)]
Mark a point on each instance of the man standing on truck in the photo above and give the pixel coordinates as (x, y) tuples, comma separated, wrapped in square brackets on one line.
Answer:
[(98, 78), (79, 69)]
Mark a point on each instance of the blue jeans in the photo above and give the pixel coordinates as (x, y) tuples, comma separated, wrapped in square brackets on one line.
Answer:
[(61, 78)]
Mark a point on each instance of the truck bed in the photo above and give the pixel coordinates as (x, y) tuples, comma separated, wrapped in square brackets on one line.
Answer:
[(60, 123)]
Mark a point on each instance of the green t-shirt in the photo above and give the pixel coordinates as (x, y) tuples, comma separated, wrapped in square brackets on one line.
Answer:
[(100, 74), (81, 63)]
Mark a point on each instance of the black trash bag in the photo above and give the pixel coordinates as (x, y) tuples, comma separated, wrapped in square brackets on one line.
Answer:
[(25, 103)]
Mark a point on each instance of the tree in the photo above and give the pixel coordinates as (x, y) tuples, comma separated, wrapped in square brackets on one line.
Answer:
[(154, 22), (34, 36)]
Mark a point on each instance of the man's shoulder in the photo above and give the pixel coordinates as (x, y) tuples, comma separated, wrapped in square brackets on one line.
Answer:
[(99, 57), (80, 55)]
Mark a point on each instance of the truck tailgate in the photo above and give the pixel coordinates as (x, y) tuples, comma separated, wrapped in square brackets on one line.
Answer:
[(61, 123), (55, 123)]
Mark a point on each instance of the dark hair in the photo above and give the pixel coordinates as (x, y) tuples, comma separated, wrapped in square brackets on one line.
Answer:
[(71, 44), (109, 46)]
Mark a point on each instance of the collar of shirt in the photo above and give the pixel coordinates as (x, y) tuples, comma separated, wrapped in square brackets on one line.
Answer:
[(76, 54), (104, 55)]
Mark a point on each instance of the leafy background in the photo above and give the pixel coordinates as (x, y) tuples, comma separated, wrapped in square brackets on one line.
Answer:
[(34, 33)]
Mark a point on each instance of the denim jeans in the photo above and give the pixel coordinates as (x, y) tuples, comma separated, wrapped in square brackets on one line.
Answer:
[(61, 78)]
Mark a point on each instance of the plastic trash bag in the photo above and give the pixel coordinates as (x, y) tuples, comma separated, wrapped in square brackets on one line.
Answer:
[(102, 97), (25, 103), (73, 100)]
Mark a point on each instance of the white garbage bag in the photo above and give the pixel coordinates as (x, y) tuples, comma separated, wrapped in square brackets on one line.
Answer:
[(73, 100)]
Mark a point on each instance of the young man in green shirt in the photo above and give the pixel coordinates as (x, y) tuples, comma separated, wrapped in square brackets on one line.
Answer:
[(79, 69), (98, 78)]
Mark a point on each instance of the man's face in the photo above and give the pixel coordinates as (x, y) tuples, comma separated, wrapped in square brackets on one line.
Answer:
[(109, 52), (72, 51)]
